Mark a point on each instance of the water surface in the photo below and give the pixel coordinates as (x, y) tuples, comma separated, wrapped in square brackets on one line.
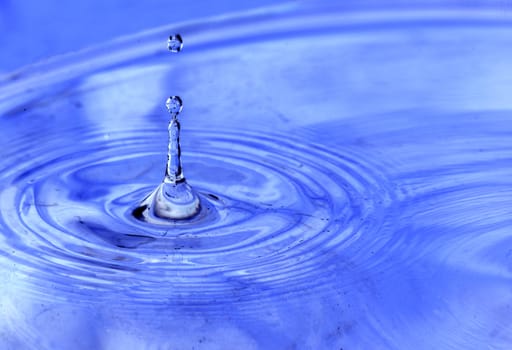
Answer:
[(354, 167)]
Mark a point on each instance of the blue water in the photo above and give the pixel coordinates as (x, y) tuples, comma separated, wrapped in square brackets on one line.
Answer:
[(354, 170)]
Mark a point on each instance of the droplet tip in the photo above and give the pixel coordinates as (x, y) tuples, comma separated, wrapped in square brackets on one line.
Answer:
[(174, 105)]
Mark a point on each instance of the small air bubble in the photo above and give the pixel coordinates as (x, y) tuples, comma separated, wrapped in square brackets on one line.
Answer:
[(175, 43)]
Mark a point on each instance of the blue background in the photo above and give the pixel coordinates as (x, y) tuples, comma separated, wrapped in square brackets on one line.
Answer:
[(35, 30)]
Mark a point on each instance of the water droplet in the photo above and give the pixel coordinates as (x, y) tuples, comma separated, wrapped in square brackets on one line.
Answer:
[(175, 43), (173, 199), (174, 105)]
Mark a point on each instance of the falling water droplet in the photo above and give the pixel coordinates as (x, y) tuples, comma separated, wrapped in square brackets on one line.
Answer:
[(175, 43), (173, 199)]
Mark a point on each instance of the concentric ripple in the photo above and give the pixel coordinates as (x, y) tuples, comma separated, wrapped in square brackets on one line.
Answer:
[(272, 208), (354, 171)]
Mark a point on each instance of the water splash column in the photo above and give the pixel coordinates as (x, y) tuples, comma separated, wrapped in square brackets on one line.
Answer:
[(174, 171), (173, 199)]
